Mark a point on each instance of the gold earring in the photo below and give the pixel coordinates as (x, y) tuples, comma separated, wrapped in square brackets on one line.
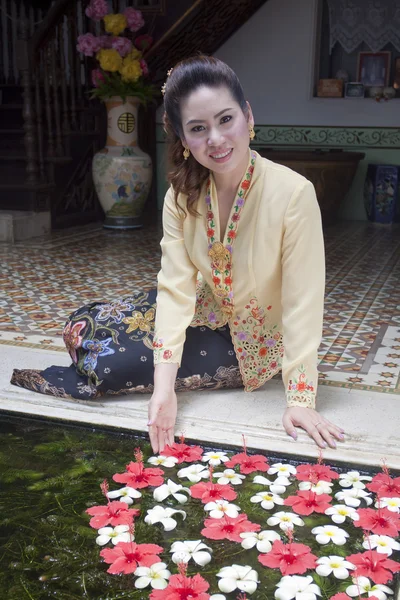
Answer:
[(252, 133), (186, 153)]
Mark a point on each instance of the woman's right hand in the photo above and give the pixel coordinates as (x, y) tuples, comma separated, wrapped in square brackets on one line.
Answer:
[(162, 416)]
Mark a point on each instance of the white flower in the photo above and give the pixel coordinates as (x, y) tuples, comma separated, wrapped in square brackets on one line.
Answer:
[(300, 588), (339, 513), (282, 469), (217, 597), (267, 499), (125, 494), (276, 487), (243, 578), (160, 514), (229, 476), (321, 487), (171, 489), (262, 540), (184, 551), (381, 543), (215, 458), (392, 504), (165, 461), (353, 479), (156, 576), (326, 533), (334, 564), (362, 585), (219, 508), (353, 496), (117, 534), (194, 473), (285, 520)]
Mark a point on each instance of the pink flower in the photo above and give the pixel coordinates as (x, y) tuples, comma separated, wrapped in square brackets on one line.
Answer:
[(97, 9), (381, 521), (88, 44), (376, 566), (383, 485), (183, 452), (134, 18), (113, 513), (291, 559), (122, 45), (315, 473), (143, 42), (144, 67), (228, 528), (72, 339), (105, 41), (307, 502), (127, 556), (181, 587), (137, 476), (248, 462), (210, 492), (97, 78)]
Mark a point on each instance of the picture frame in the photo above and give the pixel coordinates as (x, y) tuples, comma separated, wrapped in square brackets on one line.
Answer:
[(330, 88), (354, 89), (396, 78), (373, 69)]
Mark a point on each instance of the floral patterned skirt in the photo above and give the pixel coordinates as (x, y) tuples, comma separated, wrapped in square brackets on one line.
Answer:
[(111, 348)]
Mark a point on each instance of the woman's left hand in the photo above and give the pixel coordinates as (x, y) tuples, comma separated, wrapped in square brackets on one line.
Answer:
[(318, 428)]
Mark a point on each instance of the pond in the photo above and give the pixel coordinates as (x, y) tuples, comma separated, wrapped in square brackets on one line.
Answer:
[(51, 473)]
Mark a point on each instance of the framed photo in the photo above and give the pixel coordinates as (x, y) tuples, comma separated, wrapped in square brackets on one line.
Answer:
[(330, 88), (396, 81), (353, 89), (374, 68)]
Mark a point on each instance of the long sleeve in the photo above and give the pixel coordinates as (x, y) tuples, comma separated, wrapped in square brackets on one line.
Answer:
[(176, 290), (303, 285)]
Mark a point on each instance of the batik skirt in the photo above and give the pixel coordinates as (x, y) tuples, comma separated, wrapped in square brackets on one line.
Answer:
[(110, 344)]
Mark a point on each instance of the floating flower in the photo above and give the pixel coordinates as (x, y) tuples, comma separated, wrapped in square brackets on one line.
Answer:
[(127, 556), (299, 588), (353, 479), (117, 534), (320, 487), (385, 486), (160, 514), (215, 458), (156, 576), (171, 489), (228, 528), (183, 452), (181, 587), (392, 504), (137, 476), (125, 494), (362, 585), (330, 533), (290, 559), (315, 473), (307, 502), (196, 550), (353, 497), (113, 513), (276, 487), (194, 473), (209, 492), (238, 577), (267, 500), (339, 513), (248, 462), (372, 564), (220, 508), (229, 476), (262, 540), (164, 461), (337, 565), (285, 520), (381, 543), (381, 521), (282, 469)]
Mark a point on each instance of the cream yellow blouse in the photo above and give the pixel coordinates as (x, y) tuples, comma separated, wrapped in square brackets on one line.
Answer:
[(266, 279)]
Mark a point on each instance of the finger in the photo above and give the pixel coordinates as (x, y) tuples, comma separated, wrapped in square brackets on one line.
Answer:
[(153, 438), (289, 427), (315, 435), (336, 432), (161, 439), (325, 434), (170, 436)]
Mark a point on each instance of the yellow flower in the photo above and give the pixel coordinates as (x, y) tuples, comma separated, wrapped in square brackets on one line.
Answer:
[(109, 59), (115, 24), (131, 70), (134, 54)]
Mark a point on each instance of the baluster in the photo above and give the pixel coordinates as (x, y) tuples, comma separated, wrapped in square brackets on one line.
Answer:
[(10, 44), (53, 48), (47, 100), (39, 122), (63, 76), (72, 66), (3, 37), (77, 58)]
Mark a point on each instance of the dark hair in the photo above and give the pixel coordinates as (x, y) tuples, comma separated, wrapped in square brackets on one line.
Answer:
[(187, 176)]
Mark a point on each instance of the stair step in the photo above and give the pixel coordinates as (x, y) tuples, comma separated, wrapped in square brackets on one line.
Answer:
[(18, 225)]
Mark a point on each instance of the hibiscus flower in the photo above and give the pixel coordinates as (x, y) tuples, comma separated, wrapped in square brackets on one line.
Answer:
[(376, 566), (136, 476), (181, 587), (228, 528), (183, 452), (290, 559), (307, 502), (381, 521), (248, 462), (113, 513), (385, 486), (315, 473), (210, 492), (127, 556)]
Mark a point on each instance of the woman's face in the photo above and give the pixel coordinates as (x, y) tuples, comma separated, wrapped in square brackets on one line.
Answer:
[(215, 129)]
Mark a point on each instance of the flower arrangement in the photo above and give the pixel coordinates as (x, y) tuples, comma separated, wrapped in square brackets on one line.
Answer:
[(122, 70), (229, 532)]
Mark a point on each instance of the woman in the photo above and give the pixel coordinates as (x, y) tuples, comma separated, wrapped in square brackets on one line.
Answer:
[(241, 287)]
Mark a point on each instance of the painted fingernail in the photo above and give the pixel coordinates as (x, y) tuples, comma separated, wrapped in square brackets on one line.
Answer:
[(333, 445), (341, 436), (324, 444), (294, 435)]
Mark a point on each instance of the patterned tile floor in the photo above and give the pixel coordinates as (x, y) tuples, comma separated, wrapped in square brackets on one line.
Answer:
[(44, 279)]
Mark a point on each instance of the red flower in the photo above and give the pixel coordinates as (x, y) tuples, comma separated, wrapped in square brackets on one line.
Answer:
[(167, 354), (341, 596), (143, 42), (228, 528), (235, 217), (248, 462), (210, 232), (228, 280), (381, 521), (307, 502), (374, 565), (385, 486), (246, 184), (127, 556), (210, 492), (183, 452), (216, 280), (113, 513), (263, 351), (291, 559), (181, 587), (315, 473), (232, 234), (139, 477)]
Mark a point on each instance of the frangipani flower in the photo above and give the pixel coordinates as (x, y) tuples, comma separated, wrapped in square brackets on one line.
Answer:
[(219, 508), (383, 544), (285, 520), (337, 565), (171, 489), (239, 577), (267, 499), (125, 494), (229, 476), (156, 576), (320, 487), (362, 585), (353, 479), (353, 497), (262, 540), (194, 473), (215, 458), (327, 533), (217, 597), (282, 469), (184, 551), (160, 514), (117, 534), (339, 513), (276, 487), (297, 587), (392, 504), (164, 461)]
